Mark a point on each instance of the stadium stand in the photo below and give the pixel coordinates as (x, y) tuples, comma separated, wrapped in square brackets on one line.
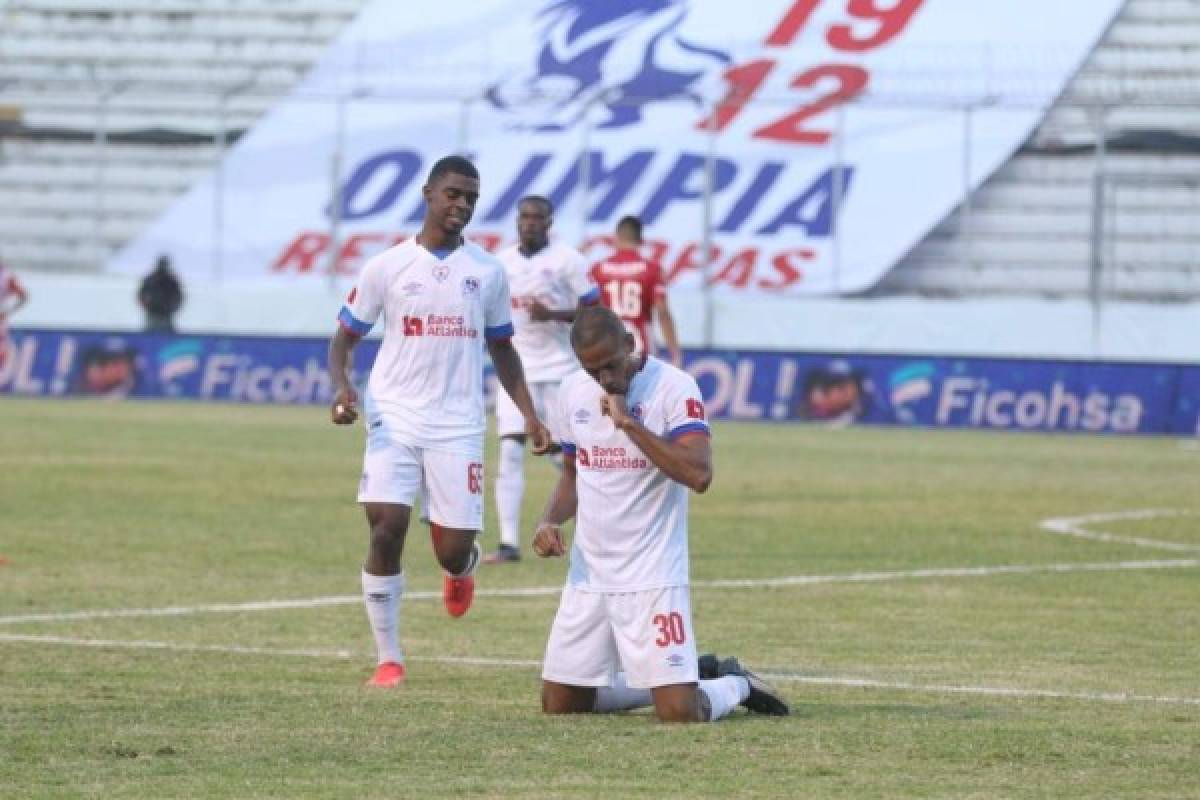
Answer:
[(1104, 197), (118, 107), (108, 111)]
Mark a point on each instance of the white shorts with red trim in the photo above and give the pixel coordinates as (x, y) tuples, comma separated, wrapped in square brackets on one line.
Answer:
[(647, 633), (449, 484)]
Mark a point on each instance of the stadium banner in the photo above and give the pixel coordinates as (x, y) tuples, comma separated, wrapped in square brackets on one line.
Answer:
[(247, 369), (817, 140), (1187, 403), (1014, 394)]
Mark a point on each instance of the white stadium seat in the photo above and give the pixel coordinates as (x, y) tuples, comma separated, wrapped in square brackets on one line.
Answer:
[(168, 62), (1032, 221)]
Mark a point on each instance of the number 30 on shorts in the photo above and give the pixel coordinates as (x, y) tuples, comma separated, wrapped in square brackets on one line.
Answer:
[(475, 478), (670, 629)]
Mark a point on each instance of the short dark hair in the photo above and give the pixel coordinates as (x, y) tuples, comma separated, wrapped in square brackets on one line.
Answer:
[(631, 224), (595, 324), (457, 165), (539, 199)]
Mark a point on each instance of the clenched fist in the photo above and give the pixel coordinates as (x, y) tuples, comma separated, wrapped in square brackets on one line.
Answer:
[(547, 541)]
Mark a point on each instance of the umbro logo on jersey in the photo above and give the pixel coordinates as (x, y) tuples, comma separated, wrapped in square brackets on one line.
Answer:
[(441, 272), (413, 288), (582, 416), (470, 285)]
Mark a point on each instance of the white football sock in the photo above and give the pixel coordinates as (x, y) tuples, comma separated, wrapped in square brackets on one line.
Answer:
[(724, 694), (381, 595), (619, 697), (510, 489)]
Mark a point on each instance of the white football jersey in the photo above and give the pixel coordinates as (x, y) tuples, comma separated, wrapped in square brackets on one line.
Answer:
[(426, 384), (556, 275), (631, 519)]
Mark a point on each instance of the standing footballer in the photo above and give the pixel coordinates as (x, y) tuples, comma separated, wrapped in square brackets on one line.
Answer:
[(442, 299), (548, 282)]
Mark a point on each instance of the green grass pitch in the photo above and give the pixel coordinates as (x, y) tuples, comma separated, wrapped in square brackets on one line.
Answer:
[(900, 586)]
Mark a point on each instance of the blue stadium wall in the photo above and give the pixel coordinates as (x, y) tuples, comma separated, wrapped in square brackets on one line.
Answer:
[(917, 390)]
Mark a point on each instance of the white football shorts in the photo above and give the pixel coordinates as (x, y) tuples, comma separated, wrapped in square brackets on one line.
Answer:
[(450, 484), (509, 421), (646, 633)]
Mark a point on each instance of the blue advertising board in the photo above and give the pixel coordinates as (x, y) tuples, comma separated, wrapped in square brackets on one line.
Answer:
[(1016, 394)]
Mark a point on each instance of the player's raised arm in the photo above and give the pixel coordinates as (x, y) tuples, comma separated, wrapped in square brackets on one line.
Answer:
[(685, 457)]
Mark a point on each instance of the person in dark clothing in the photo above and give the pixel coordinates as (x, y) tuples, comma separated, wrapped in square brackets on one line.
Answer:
[(161, 297)]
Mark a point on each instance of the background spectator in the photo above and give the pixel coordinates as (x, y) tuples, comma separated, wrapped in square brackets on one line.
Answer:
[(161, 297)]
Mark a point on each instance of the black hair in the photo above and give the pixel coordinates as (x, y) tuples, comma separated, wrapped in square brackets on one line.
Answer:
[(537, 198), (457, 165), (631, 224), (595, 324)]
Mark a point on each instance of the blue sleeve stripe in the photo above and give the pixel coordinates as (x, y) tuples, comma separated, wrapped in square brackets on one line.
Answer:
[(567, 447), (354, 325), (689, 427), (504, 331), (590, 296)]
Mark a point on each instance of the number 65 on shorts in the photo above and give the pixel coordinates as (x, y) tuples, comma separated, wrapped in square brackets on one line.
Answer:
[(450, 484)]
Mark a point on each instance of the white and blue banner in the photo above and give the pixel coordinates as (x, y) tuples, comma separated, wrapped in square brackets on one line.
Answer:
[(932, 391), (816, 141)]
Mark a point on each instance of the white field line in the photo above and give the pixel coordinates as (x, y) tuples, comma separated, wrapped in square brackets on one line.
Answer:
[(991, 691), (789, 580), (1074, 526), (37, 638), (517, 663)]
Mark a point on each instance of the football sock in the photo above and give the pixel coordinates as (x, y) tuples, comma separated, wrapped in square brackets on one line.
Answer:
[(619, 697), (510, 488), (381, 594), (724, 694)]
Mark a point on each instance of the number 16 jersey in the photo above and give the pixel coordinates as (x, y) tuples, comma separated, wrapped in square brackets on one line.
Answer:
[(631, 285)]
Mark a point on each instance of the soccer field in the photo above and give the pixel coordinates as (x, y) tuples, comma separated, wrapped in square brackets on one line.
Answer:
[(951, 614)]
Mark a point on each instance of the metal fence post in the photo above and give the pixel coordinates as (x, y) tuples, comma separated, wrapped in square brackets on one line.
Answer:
[(706, 234), (100, 141), (966, 217), (464, 126), (220, 141), (218, 231), (839, 189), (335, 194), (585, 171), (1096, 270)]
